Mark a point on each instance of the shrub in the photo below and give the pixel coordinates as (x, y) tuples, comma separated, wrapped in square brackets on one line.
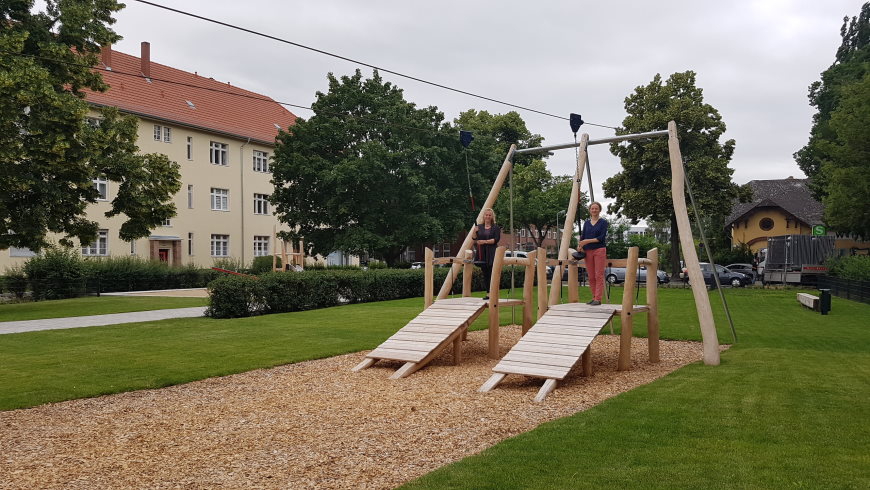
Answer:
[(58, 273), (741, 254), (262, 265), (230, 264), (854, 267), (235, 296), (15, 281)]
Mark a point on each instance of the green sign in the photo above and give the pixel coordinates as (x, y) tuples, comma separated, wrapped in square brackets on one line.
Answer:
[(820, 230)]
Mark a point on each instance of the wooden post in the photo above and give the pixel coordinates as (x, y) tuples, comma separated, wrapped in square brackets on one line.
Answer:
[(494, 285), (467, 274), (693, 267), (586, 361), (625, 315), (284, 255), (652, 302), (490, 202), (542, 281), (528, 287), (570, 217), (301, 253), (428, 277), (573, 284)]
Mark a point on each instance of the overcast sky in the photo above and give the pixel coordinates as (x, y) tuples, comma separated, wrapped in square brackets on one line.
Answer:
[(754, 59)]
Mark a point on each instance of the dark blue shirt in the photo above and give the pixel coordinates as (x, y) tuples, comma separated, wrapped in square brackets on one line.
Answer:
[(598, 230)]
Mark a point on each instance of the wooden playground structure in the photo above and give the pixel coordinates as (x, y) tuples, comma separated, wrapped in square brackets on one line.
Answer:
[(563, 333), (294, 259)]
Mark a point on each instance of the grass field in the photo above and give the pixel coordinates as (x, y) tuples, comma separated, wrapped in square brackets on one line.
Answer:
[(93, 305)]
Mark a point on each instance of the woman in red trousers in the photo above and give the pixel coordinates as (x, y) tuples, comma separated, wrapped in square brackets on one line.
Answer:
[(593, 242)]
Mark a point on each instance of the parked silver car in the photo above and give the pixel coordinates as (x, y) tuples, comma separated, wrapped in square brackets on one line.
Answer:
[(616, 275)]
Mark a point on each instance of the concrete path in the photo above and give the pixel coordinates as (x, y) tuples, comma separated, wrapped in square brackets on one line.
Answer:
[(97, 320)]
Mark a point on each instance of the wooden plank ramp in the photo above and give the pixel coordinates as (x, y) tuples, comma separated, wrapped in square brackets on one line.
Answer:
[(426, 336), (554, 345)]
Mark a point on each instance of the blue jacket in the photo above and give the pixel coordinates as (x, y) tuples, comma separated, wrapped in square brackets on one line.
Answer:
[(599, 231)]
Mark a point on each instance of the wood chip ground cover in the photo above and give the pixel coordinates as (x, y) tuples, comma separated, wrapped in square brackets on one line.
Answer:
[(308, 425)]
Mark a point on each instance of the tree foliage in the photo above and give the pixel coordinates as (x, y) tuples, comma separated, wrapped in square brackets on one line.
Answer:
[(50, 152), (538, 197), (370, 172), (642, 190), (851, 65)]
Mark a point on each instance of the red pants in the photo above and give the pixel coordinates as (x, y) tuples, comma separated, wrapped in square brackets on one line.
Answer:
[(596, 261)]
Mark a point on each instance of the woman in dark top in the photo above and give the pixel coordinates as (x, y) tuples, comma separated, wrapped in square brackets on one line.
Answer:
[(487, 236), (593, 242)]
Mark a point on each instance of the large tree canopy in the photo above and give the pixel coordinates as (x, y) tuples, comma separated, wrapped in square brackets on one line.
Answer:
[(370, 172), (50, 152), (851, 65), (642, 190)]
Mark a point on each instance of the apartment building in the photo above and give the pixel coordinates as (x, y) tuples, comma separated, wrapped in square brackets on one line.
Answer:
[(221, 136)]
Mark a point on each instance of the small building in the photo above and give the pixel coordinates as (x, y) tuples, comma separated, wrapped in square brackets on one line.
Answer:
[(778, 207)]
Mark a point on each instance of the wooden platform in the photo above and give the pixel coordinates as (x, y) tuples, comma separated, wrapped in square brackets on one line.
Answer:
[(555, 344), (426, 336)]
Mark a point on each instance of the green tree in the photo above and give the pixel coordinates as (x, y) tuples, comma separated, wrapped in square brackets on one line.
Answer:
[(642, 190), (847, 169), (851, 65), (370, 172), (50, 151), (538, 197)]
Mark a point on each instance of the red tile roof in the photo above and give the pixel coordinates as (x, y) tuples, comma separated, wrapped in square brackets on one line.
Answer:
[(216, 106)]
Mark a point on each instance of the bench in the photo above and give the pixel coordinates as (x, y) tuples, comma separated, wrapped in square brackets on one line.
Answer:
[(808, 300)]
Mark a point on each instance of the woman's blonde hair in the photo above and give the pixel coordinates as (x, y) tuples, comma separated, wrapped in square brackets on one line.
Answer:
[(483, 213)]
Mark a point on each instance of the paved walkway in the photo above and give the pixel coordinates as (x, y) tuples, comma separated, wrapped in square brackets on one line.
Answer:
[(97, 320)]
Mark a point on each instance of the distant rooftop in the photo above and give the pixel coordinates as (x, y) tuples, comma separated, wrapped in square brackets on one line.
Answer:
[(792, 195), (191, 100)]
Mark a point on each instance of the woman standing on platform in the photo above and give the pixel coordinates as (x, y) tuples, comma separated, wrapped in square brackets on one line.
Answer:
[(486, 237), (593, 242)]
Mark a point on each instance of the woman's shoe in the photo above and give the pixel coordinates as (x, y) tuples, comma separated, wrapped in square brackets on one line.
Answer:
[(590, 302), (485, 298), (595, 302)]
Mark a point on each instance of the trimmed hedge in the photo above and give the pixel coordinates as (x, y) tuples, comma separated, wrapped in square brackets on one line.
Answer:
[(281, 292)]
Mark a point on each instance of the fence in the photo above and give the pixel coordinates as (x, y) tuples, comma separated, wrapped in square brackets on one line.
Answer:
[(845, 288)]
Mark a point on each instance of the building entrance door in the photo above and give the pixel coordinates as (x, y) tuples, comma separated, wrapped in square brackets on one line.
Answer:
[(163, 253)]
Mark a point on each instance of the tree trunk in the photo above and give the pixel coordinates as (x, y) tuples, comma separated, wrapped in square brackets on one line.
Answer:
[(675, 249), (536, 236)]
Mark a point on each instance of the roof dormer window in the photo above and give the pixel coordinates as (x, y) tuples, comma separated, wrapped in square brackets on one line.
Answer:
[(190, 104)]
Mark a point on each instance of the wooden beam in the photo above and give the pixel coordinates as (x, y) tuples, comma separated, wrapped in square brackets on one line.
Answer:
[(652, 302), (490, 202), (573, 284), (690, 256), (491, 383), (624, 363), (528, 286), (586, 361), (428, 277), (467, 274), (367, 362), (494, 286), (549, 386), (542, 282)]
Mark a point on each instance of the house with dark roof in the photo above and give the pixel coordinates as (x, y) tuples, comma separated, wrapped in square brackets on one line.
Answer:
[(222, 136), (778, 207)]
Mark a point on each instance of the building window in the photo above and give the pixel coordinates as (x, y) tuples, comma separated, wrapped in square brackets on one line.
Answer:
[(220, 245), (21, 252), (166, 222), (102, 186), (218, 153), (261, 161), (261, 204), (100, 246), (133, 247), (162, 133), (766, 224), (190, 147), (190, 196), (190, 244), (220, 199), (261, 245)]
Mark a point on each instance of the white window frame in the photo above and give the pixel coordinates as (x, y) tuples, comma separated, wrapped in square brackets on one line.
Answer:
[(158, 132), (261, 161), (220, 245), (189, 196), (220, 199), (218, 153), (21, 252), (100, 247), (261, 204), (261, 245), (190, 148), (104, 192), (167, 223), (167, 134)]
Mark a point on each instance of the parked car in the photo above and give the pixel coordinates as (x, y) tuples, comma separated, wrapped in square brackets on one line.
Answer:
[(581, 274), (416, 265), (745, 269), (516, 253), (726, 276), (616, 275)]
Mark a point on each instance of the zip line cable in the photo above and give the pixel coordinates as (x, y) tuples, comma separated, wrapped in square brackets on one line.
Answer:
[(351, 60)]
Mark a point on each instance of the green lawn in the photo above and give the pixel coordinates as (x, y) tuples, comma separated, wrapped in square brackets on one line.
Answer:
[(91, 306), (788, 407)]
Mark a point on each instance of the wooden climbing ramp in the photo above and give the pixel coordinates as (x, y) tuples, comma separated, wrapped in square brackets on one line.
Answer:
[(425, 337), (555, 344)]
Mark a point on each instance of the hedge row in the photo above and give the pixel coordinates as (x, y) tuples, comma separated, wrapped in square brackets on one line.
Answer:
[(281, 292)]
